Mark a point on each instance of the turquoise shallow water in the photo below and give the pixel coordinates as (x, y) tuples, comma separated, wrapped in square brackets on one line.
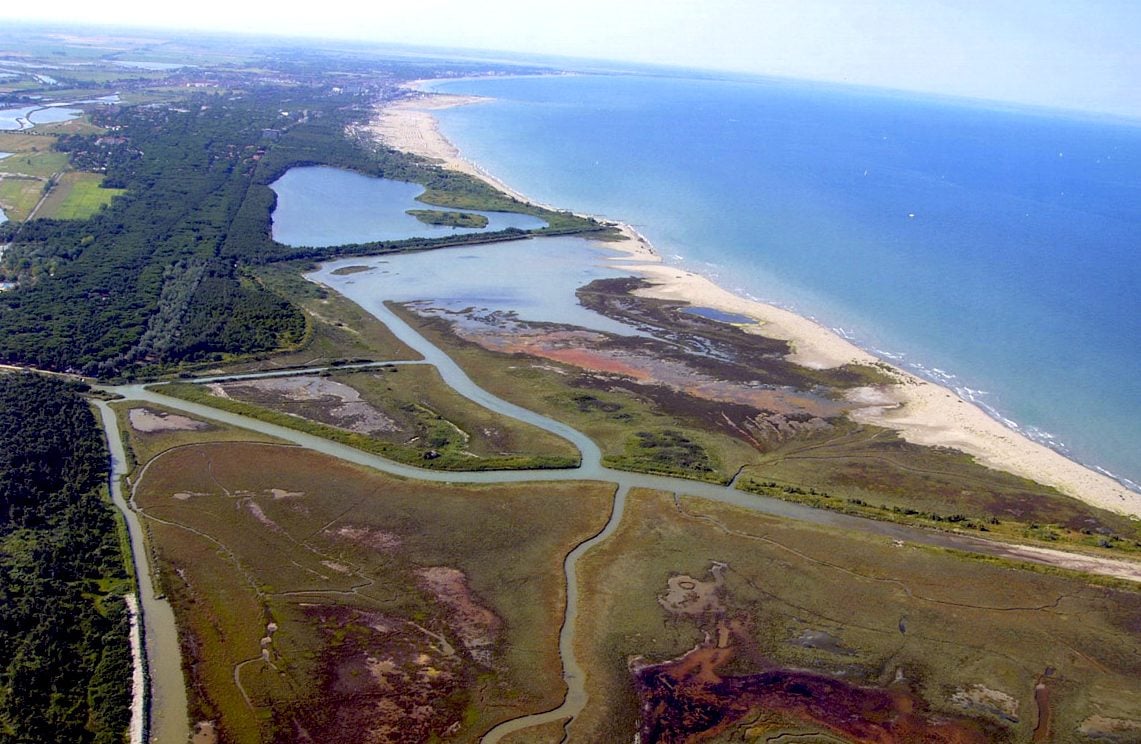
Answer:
[(996, 251)]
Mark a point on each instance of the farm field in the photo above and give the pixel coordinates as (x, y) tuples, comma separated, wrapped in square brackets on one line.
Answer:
[(19, 195), (77, 196), (319, 595)]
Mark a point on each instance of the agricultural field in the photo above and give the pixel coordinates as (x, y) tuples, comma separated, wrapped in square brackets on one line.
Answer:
[(41, 164), (19, 195), (77, 196), (738, 627), (316, 596), (25, 142)]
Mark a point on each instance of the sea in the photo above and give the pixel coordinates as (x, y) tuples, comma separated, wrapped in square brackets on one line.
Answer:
[(993, 249)]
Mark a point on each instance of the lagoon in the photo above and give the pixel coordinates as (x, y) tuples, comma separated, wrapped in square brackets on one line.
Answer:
[(319, 206), (534, 279)]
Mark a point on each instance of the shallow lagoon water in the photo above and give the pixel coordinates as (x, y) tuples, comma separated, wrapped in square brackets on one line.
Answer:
[(15, 119), (320, 206), (536, 279)]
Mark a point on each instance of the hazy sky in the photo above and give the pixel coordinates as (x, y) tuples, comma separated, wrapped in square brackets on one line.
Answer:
[(1078, 54)]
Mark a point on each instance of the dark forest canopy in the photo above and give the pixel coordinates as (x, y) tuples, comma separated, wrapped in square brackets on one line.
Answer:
[(65, 661)]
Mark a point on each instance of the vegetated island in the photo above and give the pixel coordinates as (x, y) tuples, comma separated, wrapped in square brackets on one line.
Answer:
[(448, 219)]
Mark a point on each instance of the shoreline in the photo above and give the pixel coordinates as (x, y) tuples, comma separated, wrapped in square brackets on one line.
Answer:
[(921, 411)]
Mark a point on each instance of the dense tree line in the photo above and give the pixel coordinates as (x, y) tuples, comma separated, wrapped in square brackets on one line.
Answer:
[(65, 659), (101, 295), (157, 279)]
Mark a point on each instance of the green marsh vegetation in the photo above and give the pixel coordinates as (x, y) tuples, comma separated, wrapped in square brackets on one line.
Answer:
[(872, 472), (423, 421), (634, 431), (945, 624), (251, 534), (449, 219), (855, 468)]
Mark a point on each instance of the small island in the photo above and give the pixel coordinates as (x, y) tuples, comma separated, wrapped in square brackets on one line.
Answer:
[(449, 219)]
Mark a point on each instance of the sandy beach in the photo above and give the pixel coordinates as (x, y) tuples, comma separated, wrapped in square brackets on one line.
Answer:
[(921, 411)]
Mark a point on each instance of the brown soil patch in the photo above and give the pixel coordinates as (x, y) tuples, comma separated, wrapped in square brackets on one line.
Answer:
[(476, 626), (383, 682), (369, 537), (694, 598), (147, 421), (314, 397)]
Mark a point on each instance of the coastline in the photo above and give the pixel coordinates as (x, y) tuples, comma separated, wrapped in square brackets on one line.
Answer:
[(922, 411)]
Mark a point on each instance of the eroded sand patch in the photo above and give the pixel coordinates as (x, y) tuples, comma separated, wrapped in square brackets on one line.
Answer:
[(148, 421), (476, 626), (340, 404)]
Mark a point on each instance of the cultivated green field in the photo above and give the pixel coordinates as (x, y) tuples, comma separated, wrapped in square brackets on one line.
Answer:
[(19, 196), (38, 164), (77, 196)]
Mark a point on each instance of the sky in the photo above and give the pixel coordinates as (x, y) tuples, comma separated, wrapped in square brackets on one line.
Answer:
[(1071, 54)]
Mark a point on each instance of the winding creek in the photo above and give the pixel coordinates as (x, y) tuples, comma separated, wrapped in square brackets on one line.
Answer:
[(168, 714)]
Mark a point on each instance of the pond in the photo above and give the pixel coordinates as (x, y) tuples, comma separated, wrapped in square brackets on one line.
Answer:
[(319, 206), (27, 117)]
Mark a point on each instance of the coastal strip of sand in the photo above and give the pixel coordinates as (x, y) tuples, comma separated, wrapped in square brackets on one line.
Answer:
[(922, 411)]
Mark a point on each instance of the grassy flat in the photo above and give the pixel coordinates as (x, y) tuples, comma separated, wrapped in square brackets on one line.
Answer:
[(77, 196), (851, 608), (310, 592), (19, 196)]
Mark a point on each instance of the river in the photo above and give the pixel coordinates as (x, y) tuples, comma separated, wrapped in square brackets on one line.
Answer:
[(169, 722)]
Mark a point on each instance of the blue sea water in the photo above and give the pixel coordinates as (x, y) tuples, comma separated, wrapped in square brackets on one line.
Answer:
[(996, 251)]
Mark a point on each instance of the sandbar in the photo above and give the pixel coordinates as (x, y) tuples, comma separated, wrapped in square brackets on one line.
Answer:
[(922, 411)]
